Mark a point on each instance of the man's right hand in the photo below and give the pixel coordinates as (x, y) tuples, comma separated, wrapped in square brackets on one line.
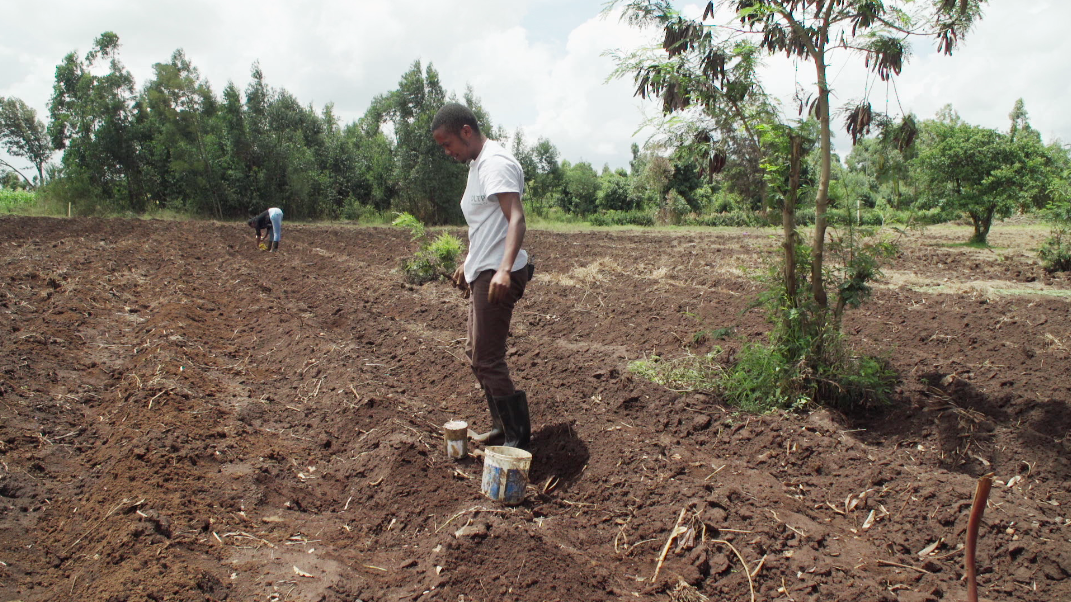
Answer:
[(459, 281)]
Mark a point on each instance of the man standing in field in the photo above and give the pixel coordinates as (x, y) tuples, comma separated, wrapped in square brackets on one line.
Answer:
[(496, 268)]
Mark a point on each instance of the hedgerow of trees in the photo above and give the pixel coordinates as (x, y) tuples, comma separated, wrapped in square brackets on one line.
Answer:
[(175, 143)]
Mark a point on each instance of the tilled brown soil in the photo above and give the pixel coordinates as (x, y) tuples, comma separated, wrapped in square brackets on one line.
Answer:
[(183, 417)]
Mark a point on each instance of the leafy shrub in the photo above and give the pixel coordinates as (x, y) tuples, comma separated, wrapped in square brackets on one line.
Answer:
[(673, 209), (733, 219), (353, 210), (435, 259), (622, 218), (1055, 253), (445, 250), (15, 200), (415, 226)]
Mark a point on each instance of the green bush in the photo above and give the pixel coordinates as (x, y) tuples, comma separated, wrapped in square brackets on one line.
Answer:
[(622, 218), (434, 260), (732, 219), (755, 382), (1055, 254), (16, 200), (445, 250)]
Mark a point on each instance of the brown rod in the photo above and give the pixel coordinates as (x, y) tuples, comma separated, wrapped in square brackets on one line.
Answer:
[(981, 496)]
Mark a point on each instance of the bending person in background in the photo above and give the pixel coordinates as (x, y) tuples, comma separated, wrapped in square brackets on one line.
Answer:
[(496, 269), (271, 222)]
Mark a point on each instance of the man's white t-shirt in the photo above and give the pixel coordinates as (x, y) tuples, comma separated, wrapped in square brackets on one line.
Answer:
[(494, 171)]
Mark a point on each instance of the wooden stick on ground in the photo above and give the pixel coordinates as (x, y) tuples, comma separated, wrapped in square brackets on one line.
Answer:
[(981, 496), (903, 566), (665, 549)]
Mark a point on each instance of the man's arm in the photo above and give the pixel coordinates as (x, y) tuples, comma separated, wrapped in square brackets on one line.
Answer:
[(510, 202)]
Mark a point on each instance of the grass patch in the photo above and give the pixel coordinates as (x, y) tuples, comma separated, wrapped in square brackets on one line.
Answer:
[(989, 291), (16, 201), (981, 246), (687, 374), (585, 276), (761, 380)]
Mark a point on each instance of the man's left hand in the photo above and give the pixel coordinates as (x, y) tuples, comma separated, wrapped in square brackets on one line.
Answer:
[(500, 284)]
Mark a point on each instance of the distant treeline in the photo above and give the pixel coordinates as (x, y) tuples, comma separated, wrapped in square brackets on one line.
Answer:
[(174, 144)]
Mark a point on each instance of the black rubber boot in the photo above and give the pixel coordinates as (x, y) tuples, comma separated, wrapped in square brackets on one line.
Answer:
[(496, 423), (274, 246), (515, 419)]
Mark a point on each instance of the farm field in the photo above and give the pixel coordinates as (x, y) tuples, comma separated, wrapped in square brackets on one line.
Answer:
[(185, 418)]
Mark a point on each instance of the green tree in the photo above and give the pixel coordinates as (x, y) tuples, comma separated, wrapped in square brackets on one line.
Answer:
[(978, 171), (374, 157), (429, 183), (580, 189), (545, 184), (91, 116), (524, 154), (687, 181), (614, 192), (884, 170), (1055, 253), (176, 112), (23, 135)]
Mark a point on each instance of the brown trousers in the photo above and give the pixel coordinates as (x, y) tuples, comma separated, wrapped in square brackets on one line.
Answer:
[(488, 329)]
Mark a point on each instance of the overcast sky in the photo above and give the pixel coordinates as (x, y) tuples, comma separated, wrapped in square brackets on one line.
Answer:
[(537, 65)]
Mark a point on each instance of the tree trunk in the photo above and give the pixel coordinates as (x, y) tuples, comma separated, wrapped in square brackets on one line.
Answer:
[(982, 225), (788, 220), (822, 199)]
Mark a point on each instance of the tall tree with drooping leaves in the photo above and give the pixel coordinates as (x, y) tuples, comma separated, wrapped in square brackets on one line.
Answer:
[(811, 31), (24, 135), (709, 122)]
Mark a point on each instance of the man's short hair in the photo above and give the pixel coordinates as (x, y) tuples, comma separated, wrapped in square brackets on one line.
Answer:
[(453, 117)]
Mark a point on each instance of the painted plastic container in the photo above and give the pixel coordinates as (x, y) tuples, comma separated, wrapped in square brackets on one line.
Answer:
[(456, 434), (505, 474)]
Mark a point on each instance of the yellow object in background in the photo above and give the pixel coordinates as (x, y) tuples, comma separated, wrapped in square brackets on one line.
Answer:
[(263, 247)]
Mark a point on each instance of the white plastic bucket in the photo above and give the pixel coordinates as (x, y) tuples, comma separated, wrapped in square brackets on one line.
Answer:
[(505, 474)]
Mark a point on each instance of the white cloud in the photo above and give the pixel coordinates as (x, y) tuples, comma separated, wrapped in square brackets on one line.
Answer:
[(535, 64), (1018, 50)]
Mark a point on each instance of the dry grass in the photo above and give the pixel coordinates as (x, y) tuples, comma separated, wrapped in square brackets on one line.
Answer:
[(990, 289), (595, 272)]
